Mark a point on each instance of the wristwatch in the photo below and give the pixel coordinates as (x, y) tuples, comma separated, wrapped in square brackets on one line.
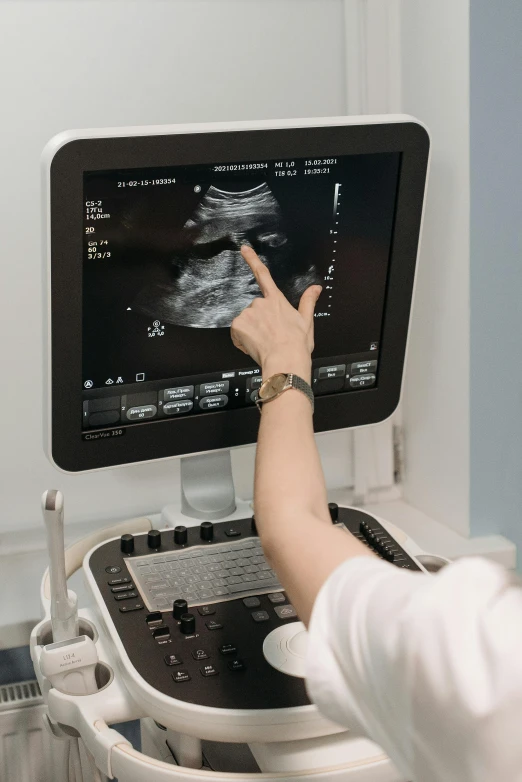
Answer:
[(276, 385)]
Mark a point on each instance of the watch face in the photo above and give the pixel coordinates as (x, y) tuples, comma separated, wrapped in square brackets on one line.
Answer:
[(272, 386)]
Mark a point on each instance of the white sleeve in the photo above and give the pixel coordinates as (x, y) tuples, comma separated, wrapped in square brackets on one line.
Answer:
[(429, 667)]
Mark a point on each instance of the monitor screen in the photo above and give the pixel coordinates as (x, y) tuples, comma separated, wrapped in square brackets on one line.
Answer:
[(163, 277), (143, 234)]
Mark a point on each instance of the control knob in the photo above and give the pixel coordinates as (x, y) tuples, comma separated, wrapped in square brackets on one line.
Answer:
[(154, 538), (127, 544), (179, 607), (188, 624), (334, 511), (206, 530), (180, 535)]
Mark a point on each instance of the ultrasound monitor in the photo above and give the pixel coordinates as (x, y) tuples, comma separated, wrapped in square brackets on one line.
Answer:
[(144, 228)]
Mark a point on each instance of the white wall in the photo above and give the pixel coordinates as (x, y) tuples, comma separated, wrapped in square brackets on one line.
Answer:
[(85, 63), (435, 87)]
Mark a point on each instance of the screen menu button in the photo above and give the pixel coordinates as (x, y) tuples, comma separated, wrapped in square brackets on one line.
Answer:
[(219, 387), (141, 413), (181, 392), (213, 402), (329, 379), (362, 381), (363, 368), (180, 406), (326, 373)]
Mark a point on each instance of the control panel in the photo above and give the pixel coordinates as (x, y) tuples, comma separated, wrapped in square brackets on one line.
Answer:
[(193, 607), (124, 404)]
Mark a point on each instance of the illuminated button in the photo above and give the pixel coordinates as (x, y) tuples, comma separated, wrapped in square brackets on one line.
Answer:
[(179, 392), (213, 402), (363, 368), (337, 370), (219, 387), (362, 381), (140, 413), (175, 408)]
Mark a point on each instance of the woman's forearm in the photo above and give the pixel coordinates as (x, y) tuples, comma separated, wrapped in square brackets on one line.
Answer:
[(290, 496), (288, 469)]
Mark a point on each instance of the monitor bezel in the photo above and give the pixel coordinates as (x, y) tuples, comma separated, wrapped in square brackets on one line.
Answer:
[(72, 154)]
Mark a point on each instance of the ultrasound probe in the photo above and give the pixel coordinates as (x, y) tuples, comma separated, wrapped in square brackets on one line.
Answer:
[(64, 603)]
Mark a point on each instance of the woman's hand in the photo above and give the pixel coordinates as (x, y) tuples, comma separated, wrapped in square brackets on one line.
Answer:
[(278, 337)]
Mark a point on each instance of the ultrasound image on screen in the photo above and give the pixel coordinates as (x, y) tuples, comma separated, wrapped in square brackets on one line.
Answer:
[(163, 277), (210, 284)]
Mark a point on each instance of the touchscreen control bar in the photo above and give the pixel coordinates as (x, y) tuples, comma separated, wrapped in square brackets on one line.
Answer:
[(167, 399)]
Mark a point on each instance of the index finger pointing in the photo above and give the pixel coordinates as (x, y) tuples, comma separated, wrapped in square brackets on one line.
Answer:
[(259, 270)]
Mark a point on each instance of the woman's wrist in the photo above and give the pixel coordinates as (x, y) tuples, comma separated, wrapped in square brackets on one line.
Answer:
[(299, 362)]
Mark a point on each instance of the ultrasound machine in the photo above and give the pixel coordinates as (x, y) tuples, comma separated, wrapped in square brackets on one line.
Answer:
[(188, 629)]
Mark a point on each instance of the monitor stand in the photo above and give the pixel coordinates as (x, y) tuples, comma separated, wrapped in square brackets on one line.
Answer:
[(207, 491)]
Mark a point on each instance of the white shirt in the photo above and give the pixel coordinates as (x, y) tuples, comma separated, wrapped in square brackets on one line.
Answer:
[(429, 667)]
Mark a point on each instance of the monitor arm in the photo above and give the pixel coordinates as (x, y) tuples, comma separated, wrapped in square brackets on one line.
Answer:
[(207, 486)]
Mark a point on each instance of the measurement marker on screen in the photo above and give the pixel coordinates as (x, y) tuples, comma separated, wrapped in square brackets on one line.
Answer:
[(336, 197)]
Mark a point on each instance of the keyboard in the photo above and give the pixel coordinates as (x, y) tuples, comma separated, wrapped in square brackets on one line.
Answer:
[(203, 575)]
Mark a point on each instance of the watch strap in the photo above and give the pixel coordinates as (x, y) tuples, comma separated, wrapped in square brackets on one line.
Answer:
[(301, 385), (292, 381)]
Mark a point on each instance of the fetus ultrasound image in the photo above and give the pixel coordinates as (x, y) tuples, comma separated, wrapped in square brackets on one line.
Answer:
[(210, 282), (163, 276)]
